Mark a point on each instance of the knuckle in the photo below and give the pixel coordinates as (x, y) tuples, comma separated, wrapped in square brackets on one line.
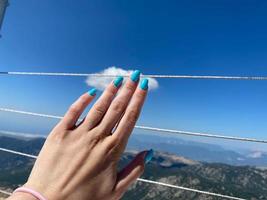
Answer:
[(113, 142), (132, 116), (112, 145), (139, 95), (57, 136), (130, 87), (118, 106), (100, 131), (100, 109), (94, 139), (74, 109)]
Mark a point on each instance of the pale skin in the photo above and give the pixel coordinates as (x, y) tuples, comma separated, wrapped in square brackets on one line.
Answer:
[(79, 160)]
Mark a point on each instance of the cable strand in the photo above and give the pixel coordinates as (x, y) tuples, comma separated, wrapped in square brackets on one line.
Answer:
[(5, 192), (147, 128), (188, 189), (149, 75)]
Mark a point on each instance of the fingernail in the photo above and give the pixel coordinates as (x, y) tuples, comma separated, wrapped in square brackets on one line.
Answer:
[(144, 84), (149, 156), (135, 75), (92, 92), (117, 82)]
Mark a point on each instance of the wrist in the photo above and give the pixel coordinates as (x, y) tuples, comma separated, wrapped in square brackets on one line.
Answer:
[(27, 193), (48, 192), (21, 196)]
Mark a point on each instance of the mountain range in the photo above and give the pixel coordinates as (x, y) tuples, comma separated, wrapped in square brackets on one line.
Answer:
[(246, 182), (197, 150)]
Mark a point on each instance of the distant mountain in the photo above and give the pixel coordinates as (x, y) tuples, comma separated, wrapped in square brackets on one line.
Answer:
[(245, 182), (197, 150), (194, 150)]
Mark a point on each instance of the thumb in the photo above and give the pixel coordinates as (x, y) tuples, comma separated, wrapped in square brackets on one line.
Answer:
[(132, 171)]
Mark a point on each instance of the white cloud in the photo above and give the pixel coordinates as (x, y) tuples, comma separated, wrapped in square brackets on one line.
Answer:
[(256, 154), (100, 83)]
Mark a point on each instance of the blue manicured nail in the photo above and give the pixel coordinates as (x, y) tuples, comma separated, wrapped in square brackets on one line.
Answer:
[(92, 92), (144, 84), (117, 82), (135, 75), (149, 156)]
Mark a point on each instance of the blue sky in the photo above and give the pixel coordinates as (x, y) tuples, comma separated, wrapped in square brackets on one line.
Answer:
[(158, 37)]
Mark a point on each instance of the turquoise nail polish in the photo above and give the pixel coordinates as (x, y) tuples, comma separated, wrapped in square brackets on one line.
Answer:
[(92, 92), (135, 75), (144, 84), (117, 82), (149, 156)]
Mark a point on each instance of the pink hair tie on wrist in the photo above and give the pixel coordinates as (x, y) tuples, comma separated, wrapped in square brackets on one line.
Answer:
[(32, 192)]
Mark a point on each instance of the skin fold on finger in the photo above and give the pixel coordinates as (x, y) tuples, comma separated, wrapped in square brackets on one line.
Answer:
[(128, 121), (119, 104), (76, 109), (99, 109)]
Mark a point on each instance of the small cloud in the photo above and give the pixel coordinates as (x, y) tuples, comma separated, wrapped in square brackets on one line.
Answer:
[(100, 83), (256, 154)]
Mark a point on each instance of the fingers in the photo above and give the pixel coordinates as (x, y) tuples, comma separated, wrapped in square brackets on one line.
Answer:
[(97, 112), (132, 171), (76, 109), (131, 115), (119, 104)]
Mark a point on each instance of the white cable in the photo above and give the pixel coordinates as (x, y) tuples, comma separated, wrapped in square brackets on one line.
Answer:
[(150, 128), (5, 192), (188, 189), (142, 180), (30, 113), (18, 153), (149, 75), (201, 134)]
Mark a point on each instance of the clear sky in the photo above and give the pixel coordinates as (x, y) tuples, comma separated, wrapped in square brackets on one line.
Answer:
[(206, 37)]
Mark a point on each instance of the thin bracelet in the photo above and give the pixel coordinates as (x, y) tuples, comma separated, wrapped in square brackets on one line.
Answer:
[(32, 192)]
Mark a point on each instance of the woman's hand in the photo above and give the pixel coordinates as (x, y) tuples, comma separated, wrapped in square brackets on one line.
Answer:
[(79, 161)]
